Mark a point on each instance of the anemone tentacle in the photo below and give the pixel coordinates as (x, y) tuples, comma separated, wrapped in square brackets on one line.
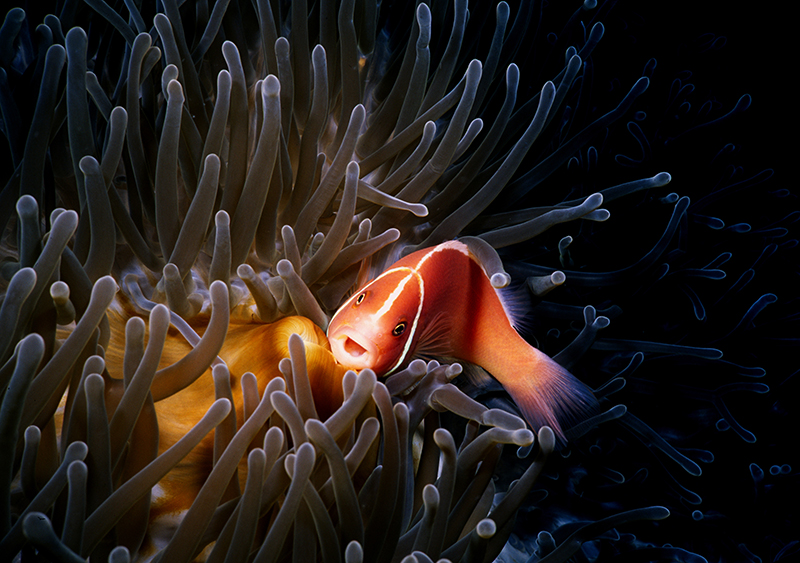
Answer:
[(190, 193)]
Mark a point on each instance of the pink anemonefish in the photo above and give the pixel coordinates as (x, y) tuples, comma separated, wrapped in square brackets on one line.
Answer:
[(440, 301)]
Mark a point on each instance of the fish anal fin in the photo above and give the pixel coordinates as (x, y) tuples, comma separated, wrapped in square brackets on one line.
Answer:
[(476, 375), (549, 395)]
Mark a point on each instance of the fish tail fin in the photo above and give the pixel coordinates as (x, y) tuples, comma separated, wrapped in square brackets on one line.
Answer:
[(551, 396)]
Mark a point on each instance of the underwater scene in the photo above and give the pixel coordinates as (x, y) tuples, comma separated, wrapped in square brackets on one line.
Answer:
[(397, 281)]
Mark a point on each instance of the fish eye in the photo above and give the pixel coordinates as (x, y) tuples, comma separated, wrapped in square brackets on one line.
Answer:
[(399, 329), (360, 298)]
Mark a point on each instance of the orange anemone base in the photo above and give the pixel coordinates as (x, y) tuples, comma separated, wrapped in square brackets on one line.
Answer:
[(249, 347)]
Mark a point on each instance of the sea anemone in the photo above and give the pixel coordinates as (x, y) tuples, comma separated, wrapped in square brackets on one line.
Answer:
[(198, 187)]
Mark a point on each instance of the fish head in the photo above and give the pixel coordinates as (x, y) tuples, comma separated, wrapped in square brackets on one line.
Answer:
[(375, 328)]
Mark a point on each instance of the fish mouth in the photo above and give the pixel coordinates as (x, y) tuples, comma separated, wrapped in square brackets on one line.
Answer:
[(352, 349)]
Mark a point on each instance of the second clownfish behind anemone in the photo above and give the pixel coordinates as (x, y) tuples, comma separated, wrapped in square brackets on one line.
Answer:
[(440, 301)]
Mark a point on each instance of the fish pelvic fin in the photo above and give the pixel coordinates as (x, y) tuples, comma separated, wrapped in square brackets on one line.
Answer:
[(551, 396)]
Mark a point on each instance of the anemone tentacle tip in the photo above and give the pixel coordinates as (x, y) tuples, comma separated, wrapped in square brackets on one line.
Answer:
[(662, 179)]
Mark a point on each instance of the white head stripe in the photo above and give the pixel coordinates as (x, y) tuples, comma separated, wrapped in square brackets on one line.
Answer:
[(451, 245), (414, 325)]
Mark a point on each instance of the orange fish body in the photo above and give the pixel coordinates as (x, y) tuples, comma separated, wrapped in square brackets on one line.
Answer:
[(439, 301)]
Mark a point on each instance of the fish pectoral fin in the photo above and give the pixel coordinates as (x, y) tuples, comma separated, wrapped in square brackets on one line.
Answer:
[(434, 340), (552, 396)]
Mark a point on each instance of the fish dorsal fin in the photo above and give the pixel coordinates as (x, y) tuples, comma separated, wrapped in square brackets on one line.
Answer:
[(517, 305), (434, 340), (514, 302)]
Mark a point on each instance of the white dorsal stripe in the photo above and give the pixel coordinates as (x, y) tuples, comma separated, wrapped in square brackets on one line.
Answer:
[(450, 245), (464, 249), (356, 294), (453, 244)]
